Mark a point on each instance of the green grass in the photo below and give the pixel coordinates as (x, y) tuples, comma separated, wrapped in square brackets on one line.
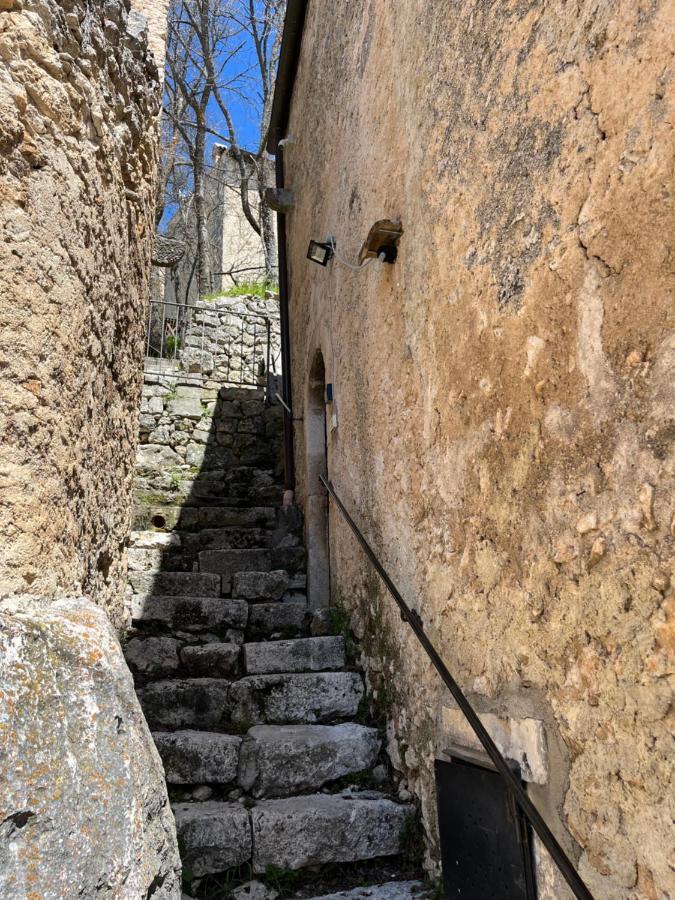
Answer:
[(284, 880), (245, 289)]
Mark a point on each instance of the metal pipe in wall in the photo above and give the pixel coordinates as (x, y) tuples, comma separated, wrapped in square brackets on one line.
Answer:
[(287, 389)]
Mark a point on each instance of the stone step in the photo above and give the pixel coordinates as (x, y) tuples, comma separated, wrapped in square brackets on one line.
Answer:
[(295, 699), (188, 518), (267, 620), (280, 760), (199, 757), (231, 562), (175, 584), (217, 660), (190, 613), (157, 559), (294, 833), (393, 890), (321, 828), (236, 537), (153, 657), (313, 654), (213, 836), (260, 585), (187, 703)]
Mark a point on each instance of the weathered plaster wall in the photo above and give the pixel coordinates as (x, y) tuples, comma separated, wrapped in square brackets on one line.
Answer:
[(79, 103), (504, 392)]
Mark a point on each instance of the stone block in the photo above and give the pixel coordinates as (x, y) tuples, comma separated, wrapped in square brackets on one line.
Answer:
[(150, 540), (77, 760), (190, 613), (186, 703), (278, 760), (260, 585), (215, 660), (268, 619), (320, 829), (294, 699), (154, 456), (228, 562), (214, 836), (185, 408), (393, 890), (312, 654), (520, 740), (224, 516), (199, 757), (152, 657), (292, 559), (175, 584)]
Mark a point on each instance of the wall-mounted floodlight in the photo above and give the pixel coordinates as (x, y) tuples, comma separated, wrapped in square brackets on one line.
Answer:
[(320, 252)]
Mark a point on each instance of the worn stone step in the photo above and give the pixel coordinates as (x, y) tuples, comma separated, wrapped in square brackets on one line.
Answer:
[(213, 836), (175, 584), (216, 660), (159, 559), (287, 620), (235, 537), (168, 517), (187, 703), (190, 613), (293, 699), (260, 585), (312, 654), (199, 757), (321, 828), (153, 657), (279, 760), (154, 540), (230, 562), (393, 890)]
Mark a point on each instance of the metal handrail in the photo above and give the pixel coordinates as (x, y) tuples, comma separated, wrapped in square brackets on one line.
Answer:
[(513, 784)]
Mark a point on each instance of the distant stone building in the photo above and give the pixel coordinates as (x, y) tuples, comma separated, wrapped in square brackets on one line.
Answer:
[(500, 414), (236, 250)]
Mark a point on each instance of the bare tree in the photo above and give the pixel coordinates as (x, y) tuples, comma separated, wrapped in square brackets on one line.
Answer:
[(208, 66)]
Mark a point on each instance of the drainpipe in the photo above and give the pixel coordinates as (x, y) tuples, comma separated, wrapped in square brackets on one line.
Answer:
[(289, 57), (287, 387)]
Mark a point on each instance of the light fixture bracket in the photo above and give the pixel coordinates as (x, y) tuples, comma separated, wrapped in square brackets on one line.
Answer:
[(382, 241)]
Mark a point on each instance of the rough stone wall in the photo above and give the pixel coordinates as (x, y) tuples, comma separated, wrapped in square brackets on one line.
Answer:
[(220, 341), (504, 393), (83, 805), (79, 99), (155, 13)]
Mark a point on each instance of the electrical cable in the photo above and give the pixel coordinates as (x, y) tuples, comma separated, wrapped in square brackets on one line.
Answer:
[(331, 242)]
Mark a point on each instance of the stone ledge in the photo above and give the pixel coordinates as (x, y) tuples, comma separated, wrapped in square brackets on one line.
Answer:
[(521, 740)]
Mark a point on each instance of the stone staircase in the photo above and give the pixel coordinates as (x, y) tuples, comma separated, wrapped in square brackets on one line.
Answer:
[(254, 710)]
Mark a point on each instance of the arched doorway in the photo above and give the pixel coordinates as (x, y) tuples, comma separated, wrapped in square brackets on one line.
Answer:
[(316, 510)]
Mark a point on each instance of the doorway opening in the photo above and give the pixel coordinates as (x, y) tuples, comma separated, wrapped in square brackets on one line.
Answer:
[(316, 511), (486, 846)]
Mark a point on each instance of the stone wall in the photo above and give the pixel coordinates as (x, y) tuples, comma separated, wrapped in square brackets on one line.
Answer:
[(79, 100), (504, 392), (83, 804), (221, 341)]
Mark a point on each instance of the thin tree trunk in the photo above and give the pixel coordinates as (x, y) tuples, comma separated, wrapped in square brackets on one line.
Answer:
[(203, 268), (266, 218)]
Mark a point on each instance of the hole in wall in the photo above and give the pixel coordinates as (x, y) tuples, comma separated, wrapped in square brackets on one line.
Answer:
[(159, 521)]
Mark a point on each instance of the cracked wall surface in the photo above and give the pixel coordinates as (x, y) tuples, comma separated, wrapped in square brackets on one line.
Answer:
[(79, 104), (504, 393)]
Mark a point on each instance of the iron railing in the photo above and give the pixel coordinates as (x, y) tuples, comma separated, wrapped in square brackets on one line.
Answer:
[(548, 839), (199, 341)]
